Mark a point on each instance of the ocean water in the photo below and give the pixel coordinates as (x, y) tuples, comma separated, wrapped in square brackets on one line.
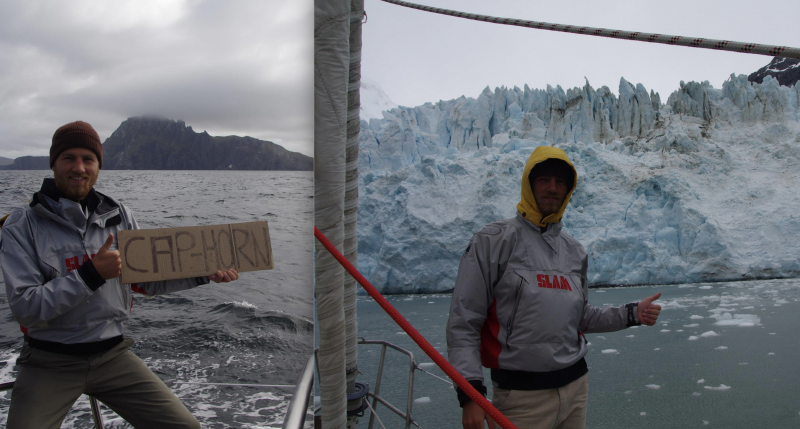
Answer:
[(722, 355), (257, 330)]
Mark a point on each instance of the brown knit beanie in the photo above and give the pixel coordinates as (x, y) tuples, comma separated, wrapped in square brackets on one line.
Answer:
[(76, 134)]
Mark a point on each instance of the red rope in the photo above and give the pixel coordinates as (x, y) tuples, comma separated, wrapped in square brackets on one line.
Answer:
[(416, 336)]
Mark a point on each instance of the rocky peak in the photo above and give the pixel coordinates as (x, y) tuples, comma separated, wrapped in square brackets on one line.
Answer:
[(785, 70)]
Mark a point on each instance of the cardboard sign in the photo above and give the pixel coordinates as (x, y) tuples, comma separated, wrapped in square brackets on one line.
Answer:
[(177, 253)]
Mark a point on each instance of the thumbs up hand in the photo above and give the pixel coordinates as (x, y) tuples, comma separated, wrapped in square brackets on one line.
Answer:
[(107, 263), (647, 311)]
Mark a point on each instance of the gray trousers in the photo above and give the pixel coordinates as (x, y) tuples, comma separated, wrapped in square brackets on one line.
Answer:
[(49, 383)]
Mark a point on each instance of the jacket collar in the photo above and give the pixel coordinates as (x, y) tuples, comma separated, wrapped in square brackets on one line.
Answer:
[(96, 202)]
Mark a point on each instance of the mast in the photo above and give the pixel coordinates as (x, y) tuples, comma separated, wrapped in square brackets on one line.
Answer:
[(337, 77)]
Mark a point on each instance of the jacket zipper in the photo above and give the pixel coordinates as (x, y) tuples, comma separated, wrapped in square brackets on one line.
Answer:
[(510, 324)]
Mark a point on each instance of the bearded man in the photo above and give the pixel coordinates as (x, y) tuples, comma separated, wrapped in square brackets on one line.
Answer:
[(61, 271), (521, 305)]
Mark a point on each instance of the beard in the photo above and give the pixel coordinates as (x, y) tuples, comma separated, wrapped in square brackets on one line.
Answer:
[(72, 190)]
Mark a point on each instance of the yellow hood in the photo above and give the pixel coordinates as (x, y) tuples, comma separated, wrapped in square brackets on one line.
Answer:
[(527, 205)]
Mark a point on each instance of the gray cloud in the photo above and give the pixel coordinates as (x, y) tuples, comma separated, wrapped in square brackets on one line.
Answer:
[(240, 68)]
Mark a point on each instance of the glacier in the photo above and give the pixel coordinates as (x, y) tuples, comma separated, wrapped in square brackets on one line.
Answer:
[(700, 188)]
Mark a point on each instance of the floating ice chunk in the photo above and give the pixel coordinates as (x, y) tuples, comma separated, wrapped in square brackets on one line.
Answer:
[(401, 333), (742, 363), (706, 287), (423, 400), (721, 348), (742, 320), (643, 413), (431, 302), (427, 365), (657, 348), (701, 381), (696, 317), (721, 387), (749, 307), (781, 301), (692, 338), (607, 351), (691, 325), (679, 330), (709, 334), (705, 422), (652, 386), (665, 330), (628, 392), (772, 333), (770, 354), (629, 336), (696, 393)]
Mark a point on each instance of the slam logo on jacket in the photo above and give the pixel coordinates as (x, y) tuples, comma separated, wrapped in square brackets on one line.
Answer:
[(74, 262), (552, 281)]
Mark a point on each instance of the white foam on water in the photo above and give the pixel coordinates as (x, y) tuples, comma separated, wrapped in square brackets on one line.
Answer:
[(772, 333), (721, 387), (696, 394), (721, 348), (243, 304), (652, 386), (705, 422), (607, 351)]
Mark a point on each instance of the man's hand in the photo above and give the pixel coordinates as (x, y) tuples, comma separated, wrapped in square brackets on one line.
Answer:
[(108, 264), (647, 311), (472, 416), (224, 276)]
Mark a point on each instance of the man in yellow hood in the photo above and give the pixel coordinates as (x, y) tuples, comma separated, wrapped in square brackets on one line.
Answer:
[(520, 307)]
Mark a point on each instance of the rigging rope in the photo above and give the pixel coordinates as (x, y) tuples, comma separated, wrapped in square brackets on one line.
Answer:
[(694, 42), (415, 335)]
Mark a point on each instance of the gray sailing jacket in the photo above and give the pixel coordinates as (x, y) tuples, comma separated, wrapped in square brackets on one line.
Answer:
[(54, 292)]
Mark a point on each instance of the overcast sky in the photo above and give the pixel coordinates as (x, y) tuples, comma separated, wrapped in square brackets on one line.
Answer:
[(230, 68), (418, 56)]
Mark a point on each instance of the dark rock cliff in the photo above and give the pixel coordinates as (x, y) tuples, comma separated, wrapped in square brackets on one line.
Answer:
[(785, 70), (143, 143)]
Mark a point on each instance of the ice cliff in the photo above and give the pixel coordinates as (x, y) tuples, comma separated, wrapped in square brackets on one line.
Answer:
[(701, 188)]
